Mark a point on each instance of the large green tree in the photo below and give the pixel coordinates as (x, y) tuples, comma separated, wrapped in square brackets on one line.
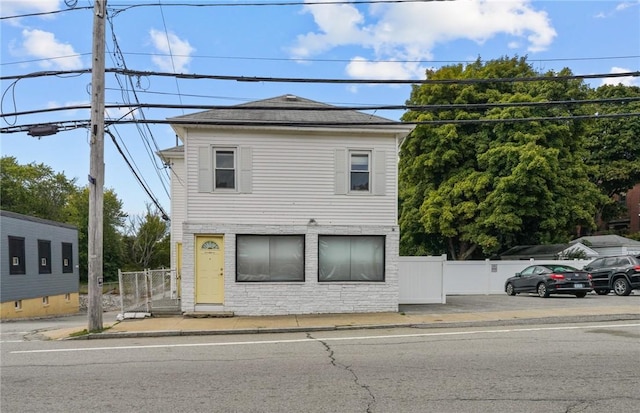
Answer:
[(113, 223), (474, 189), (613, 145), (34, 189)]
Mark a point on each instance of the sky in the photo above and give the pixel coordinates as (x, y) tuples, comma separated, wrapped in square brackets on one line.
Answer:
[(279, 39)]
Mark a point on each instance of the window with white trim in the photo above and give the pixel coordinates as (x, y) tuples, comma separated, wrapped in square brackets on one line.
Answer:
[(351, 257), (359, 171), (269, 258), (224, 168)]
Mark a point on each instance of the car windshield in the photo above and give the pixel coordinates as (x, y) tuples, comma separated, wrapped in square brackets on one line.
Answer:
[(561, 268)]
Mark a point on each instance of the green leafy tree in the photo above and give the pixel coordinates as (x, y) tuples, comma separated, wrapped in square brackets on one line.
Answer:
[(613, 146), (148, 241), (474, 189), (113, 222), (34, 189)]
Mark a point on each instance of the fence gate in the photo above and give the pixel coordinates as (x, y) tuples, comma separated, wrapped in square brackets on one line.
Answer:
[(148, 291)]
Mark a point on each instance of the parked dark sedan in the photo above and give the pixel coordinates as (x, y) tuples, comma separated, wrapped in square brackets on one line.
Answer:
[(545, 279)]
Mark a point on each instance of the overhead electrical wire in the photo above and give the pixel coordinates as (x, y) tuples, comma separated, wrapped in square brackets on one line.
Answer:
[(328, 80), (147, 136), (145, 187), (84, 123), (426, 108)]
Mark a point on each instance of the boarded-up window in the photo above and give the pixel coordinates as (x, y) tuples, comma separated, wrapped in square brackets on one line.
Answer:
[(16, 255)]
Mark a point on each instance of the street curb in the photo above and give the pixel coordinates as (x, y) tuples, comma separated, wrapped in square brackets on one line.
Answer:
[(460, 324)]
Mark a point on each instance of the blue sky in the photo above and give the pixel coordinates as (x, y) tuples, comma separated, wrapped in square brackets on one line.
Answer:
[(341, 41)]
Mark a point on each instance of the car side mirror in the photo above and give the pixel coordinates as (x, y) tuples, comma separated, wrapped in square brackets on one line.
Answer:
[(518, 274)]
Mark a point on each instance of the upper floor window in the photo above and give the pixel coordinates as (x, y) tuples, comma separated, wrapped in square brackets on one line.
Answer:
[(44, 256), (16, 255), (224, 168), (360, 171)]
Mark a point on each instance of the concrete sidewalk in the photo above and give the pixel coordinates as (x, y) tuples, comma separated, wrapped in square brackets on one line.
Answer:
[(426, 316)]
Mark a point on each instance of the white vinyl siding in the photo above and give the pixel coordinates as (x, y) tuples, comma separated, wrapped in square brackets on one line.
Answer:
[(293, 178)]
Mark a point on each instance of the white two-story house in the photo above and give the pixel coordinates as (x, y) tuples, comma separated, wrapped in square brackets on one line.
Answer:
[(285, 206)]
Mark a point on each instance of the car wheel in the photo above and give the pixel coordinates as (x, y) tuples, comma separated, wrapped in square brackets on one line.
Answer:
[(581, 294), (510, 290), (621, 286), (602, 291), (542, 290)]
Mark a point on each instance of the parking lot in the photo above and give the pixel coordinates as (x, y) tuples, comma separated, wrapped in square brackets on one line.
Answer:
[(503, 302)]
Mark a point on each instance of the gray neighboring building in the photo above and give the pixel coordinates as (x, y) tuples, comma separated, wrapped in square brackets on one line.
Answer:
[(38, 267), (610, 244)]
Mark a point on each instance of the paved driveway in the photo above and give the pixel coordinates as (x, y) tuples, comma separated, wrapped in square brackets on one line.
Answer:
[(503, 302)]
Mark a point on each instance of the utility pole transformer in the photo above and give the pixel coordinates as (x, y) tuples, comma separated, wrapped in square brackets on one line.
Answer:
[(96, 169)]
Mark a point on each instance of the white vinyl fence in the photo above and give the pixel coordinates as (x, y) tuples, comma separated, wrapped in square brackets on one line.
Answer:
[(428, 280)]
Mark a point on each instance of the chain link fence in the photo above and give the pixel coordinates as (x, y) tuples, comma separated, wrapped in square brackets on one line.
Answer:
[(142, 291)]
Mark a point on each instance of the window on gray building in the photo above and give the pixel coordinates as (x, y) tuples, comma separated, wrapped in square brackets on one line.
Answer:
[(16, 255), (67, 257), (44, 256)]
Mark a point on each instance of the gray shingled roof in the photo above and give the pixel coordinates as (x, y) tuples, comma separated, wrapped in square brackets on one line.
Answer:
[(547, 249), (601, 241), (294, 109)]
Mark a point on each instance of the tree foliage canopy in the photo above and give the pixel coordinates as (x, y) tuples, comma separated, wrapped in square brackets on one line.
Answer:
[(478, 188), (35, 190)]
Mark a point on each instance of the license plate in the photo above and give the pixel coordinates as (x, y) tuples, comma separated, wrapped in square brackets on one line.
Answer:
[(578, 285)]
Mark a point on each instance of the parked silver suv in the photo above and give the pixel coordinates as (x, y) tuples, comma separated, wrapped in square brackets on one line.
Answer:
[(620, 274)]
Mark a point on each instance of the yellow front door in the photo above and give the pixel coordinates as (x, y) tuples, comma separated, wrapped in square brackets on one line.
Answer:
[(209, 270), (179, 268)]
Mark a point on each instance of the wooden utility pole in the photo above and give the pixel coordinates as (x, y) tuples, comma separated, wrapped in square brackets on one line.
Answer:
[(96, 168)]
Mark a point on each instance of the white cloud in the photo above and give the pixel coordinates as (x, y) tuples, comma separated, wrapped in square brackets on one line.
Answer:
[(410, 31), (361, 68), (44, 45), (626, 5), (177, 51), (626, 80), (19, 7)]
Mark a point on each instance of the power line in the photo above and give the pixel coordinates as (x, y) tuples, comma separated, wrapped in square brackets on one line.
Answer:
[(46, 13), (165, 216), (195, 76), (125, 7), (429, 108), (312, 60), (83, 123)]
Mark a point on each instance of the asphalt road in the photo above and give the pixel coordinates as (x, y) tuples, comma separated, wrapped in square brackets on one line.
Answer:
[(583, 368)]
